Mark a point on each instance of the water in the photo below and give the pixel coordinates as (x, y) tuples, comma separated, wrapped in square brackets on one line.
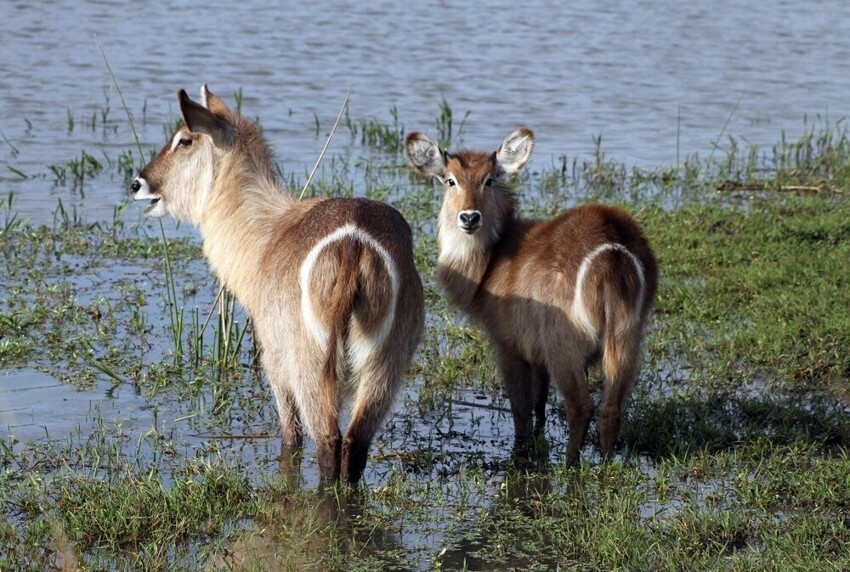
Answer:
[(657, 80)]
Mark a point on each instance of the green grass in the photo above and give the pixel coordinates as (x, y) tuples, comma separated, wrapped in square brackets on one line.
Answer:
[(376, 134), (763, 287), (735, 442)]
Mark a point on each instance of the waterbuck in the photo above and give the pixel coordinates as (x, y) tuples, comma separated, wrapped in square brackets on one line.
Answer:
[(330, 284), (555, 296)]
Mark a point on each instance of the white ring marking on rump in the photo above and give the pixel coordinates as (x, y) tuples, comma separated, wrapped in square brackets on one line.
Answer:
[(318, 331), (580, 314)]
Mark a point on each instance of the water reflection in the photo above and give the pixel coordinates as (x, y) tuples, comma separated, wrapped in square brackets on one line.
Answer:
[(521, 489), (309, 532)]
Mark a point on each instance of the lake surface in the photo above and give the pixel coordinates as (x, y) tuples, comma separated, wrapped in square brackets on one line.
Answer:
[(656, 80)]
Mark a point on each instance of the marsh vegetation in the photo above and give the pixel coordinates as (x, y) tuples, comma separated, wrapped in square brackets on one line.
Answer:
[(162, 451)]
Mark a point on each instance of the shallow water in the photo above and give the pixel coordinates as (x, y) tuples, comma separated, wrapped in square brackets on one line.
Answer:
[(657, 80), (35, 406)]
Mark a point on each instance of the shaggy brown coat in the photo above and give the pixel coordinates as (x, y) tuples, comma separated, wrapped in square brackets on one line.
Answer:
[(555, 296), (330, 284)]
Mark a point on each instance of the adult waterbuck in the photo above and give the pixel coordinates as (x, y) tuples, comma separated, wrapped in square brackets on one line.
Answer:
[(330, 283), (555, 296)]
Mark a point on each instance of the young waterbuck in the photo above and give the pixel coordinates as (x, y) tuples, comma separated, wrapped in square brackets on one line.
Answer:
[(330, 284), (555, 296)]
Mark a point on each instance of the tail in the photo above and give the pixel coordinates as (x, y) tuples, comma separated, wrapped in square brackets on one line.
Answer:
[(624, 306), (342, 307), (624, 296)]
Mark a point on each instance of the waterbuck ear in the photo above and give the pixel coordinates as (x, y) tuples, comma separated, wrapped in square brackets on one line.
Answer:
[(212, 101), (201, 120), (425, 154), (515, 150)]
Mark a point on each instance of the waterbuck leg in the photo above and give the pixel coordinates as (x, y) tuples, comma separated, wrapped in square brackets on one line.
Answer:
[(620, 364), (517, 379), (291, 430), (579, 407), (541, 378), (292, 434), (328, 454), (322, 418), (375, 393)]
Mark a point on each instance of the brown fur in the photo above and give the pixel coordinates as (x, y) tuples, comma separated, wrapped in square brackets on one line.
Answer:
[(328, 333), (517, 278)]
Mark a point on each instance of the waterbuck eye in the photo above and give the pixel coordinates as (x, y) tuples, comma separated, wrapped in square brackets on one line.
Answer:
[(488, 182), (185, 142)]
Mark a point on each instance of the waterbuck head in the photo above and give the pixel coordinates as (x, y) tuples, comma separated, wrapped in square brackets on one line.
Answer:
[(178, 180), (478, 199)]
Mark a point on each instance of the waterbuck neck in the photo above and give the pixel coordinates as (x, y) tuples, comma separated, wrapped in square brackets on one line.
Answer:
[(236, 223), (464, 265)]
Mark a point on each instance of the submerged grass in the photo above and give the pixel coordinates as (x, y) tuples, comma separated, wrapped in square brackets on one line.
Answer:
[(735, 443)]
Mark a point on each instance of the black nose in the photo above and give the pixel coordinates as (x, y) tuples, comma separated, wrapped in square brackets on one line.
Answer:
[(470, 219), (134, 188)]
